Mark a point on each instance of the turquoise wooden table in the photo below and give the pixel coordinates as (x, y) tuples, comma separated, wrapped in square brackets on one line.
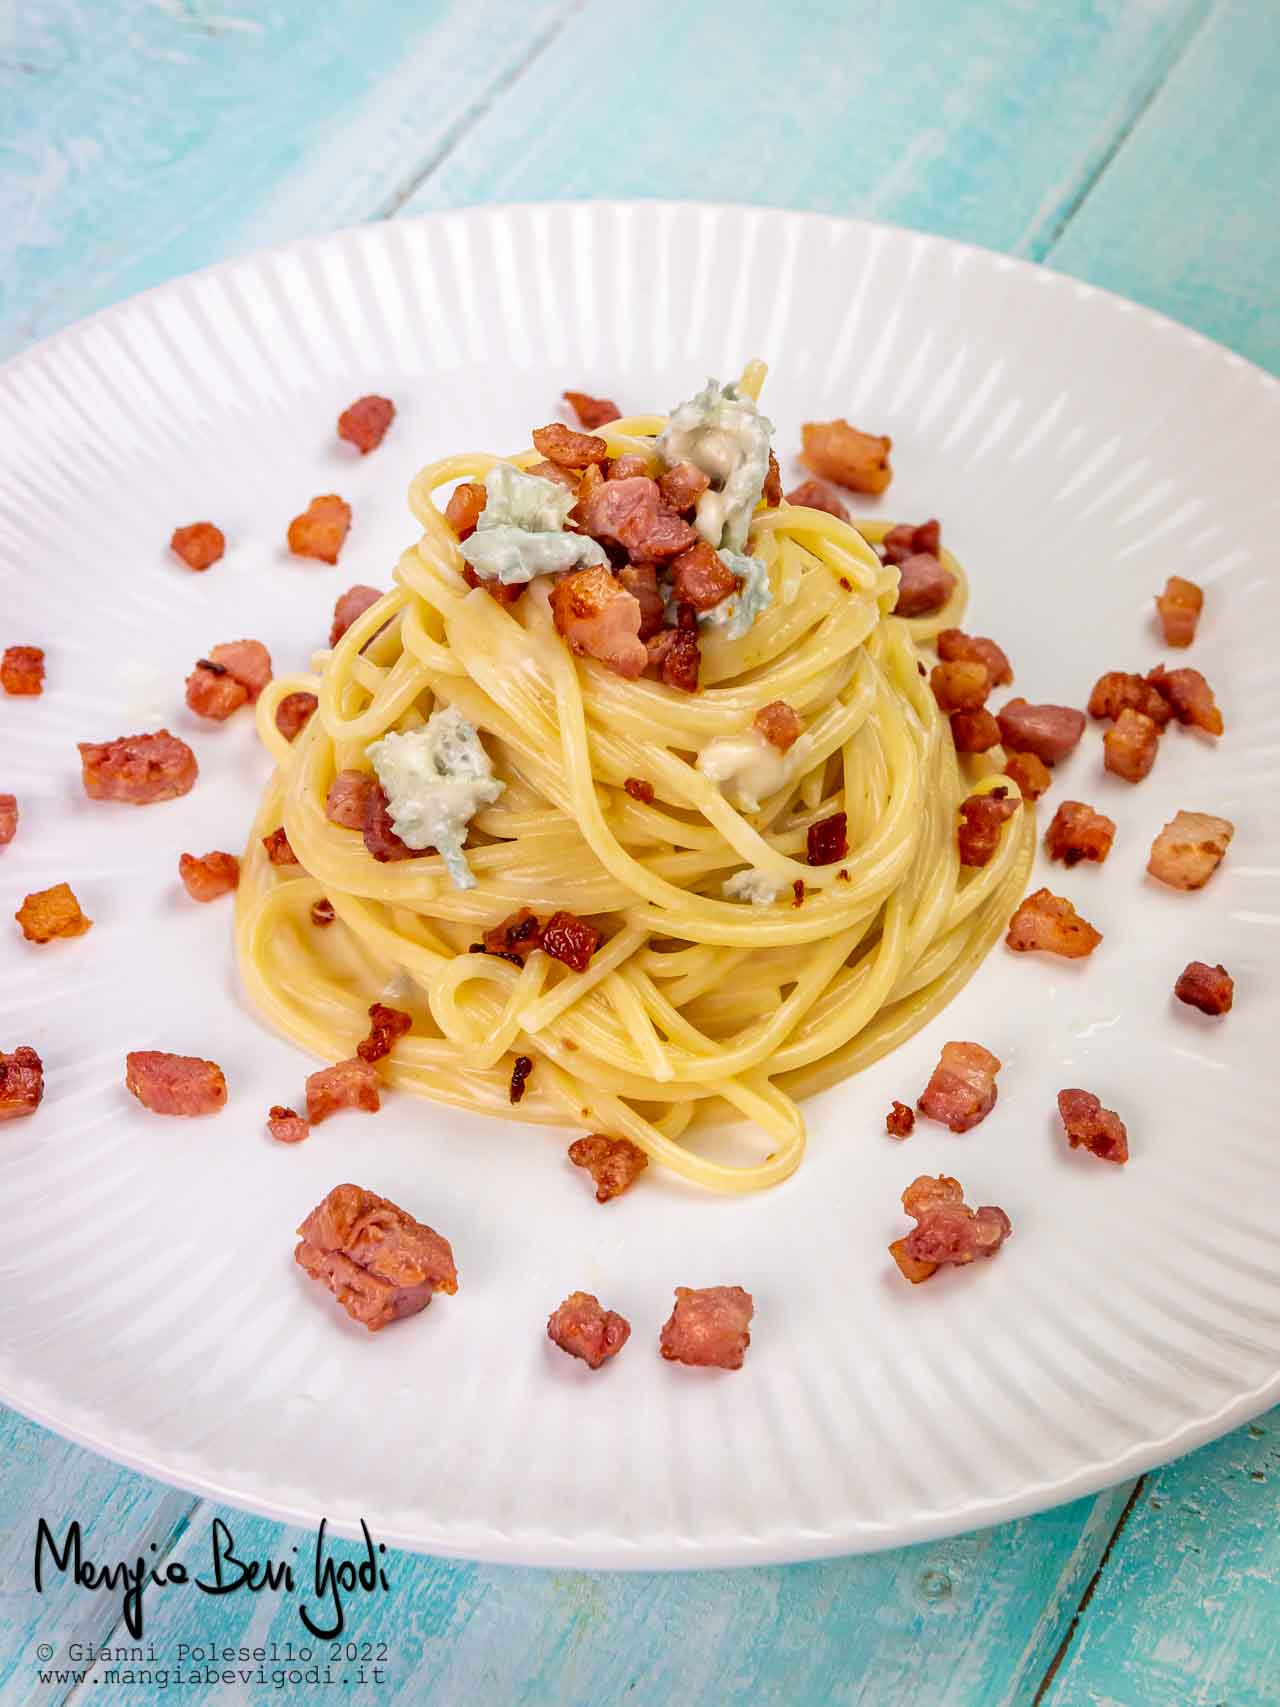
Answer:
[(1133, 142)]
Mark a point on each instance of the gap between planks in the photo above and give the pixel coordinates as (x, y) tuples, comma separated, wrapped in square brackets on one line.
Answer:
[(1046, 1682)]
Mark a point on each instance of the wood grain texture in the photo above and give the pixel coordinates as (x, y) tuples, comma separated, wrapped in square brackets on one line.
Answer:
[(1186, 216)]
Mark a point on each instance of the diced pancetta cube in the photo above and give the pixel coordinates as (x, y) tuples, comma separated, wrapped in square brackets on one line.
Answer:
[(50, 913), (626, 468), (960, 686), (347, 797), (708, 1327), (833, 450), (592, 412), (8, 818), (567, 449), (1129, 747), (962, 1089), (639, 789), (631, 513), (674, 655), (379, 1263), (386, 1027), (974, 731), (584, 1329), (1189, 849), (286, 1126), (515, 937), (347, 1084), (910, 539), (641, 581), (571, 940), (1209, 988), (364, 423), (199, 546), (613, 1163), (956, 647), (213, 692), (946, 1230), (210, 875), (1048, 731), (1078, 832), (276, 842), (462, 512), (294, 713), (817, 495), (349, 606), (828, 840), (175, 1084), (924, 586), (1119, 690), (600, 619), (380, 838), (779, 724), (321, 529), (682, 486), (701, 577), (900, 1122), (248, 661), (1050, 923), (1189, 697), (1179, 607), (1030, 773), (981, 819), (1100, 1130), (22, 670), (21, 1082)]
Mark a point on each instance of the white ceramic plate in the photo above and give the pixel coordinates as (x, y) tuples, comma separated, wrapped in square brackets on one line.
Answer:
[(1078, 450)]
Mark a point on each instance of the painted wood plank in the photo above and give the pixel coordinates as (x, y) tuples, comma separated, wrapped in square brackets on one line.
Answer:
[(964, 1614), (1187, 215), (976, 120), (141, 138), (1188, 1609), (43, 1476)]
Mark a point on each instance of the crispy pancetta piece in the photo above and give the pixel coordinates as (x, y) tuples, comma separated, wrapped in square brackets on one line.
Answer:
[(626, 468), (379, 832), (1129, 747), (900, 1122), (833, 450), (199, 546), (592, 412), (600, 619), (364, 423), (1179, 608), (1100, 1130), (210, 875), (321, 529), (981, 819), (1030, 773), (175, 1084), (516, 937), (816, 495), (50, 913), (1189, 849), (22, 670), (463, 510), (276, 842), (8, 818), (567, 449), (946, 1230), (641, 581), (960, 686), (1049, 922), (348, 607), (294, 713), (1078, 832), (347, 1084), (247, 661), (386, 1027), (974, 731), (631, 513), (701, 577), (1189, 697), (911, 539), (613, 1163), (957, 647), (1209, 988), (1120, 690), (1048, 731), (213, 692), (347, 797), (639, 789), (708, 1327), (322, 912), (571, 940), (21, 1082), (584, 1329), (674, 655), (682, 486), (286, 1126), (379, 1263), (828, 840), (962, 1089), (924, 586), (771, 491), (779, 724)]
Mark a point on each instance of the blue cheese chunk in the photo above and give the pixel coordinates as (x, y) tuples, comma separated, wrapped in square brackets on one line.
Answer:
[(436, 779), (521, 531), (721, 432)]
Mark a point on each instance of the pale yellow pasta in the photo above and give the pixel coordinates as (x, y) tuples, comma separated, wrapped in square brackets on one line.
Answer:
[(695, 1008)]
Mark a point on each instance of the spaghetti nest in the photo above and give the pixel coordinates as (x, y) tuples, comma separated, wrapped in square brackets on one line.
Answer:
[(695, 1007)]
